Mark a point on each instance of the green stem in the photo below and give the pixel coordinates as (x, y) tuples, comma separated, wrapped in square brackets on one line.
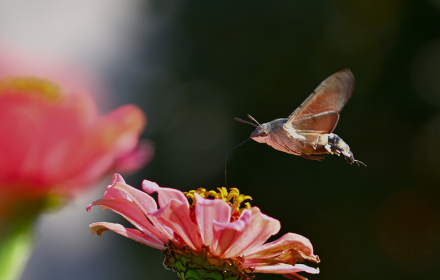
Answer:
[(15, 248)]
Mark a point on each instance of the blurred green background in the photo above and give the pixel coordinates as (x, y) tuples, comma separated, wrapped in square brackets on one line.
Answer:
[(198, 64)]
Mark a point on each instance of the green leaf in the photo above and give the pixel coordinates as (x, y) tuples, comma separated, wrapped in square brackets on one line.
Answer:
[(191, 274), (214, 275)]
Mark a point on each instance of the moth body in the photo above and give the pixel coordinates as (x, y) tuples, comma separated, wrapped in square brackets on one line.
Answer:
[(308, 131), (308, 145)]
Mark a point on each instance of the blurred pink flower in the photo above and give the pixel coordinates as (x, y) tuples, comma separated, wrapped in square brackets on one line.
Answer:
[(214, 229), (53, 141), (18, 63)]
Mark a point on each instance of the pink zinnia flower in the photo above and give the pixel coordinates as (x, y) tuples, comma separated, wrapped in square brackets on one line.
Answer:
[(209, 238), (53, 142)]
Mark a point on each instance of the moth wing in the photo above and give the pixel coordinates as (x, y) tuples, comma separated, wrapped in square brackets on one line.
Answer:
[(331, 95), (320, 123)]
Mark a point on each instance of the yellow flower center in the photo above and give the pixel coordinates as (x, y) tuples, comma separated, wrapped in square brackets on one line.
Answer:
[(233, 198), (32, 86)]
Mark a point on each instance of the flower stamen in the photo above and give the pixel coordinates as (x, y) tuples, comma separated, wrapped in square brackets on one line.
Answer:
[(233, 198), (31, 86)]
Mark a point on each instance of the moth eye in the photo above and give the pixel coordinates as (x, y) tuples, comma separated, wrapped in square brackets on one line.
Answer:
[(264, 133)]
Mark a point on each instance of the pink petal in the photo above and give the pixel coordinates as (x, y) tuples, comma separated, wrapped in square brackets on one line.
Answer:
[(260, 228), (111, 193), (128, 122), (176, 216), (127, 232), (225, 234), (18, 136), (146, 203), (117, 178), (207, 211), (288, 241), (135, 159), (38, 127), (165, 195), (132, 213), (285, 269), (93, 151)]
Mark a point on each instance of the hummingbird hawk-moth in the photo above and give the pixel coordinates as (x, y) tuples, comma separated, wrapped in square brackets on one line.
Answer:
[(307, 132)]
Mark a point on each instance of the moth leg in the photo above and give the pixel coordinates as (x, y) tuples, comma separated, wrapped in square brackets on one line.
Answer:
[(328, 148), (313, 140), (316, 143), (313, 157)]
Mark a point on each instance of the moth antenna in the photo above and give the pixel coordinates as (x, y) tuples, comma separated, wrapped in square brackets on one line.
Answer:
[(226, 157), (242, 121), (252, 118), (358, 161)]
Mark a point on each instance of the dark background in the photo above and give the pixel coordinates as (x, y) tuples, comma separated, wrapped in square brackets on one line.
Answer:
[(211, 61)]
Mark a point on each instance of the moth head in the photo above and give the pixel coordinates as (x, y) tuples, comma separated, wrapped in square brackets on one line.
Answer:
[(260, 133)]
